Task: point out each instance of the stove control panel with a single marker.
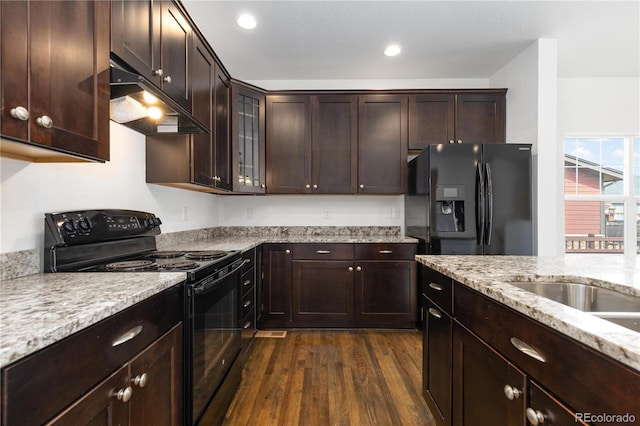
(91, 226)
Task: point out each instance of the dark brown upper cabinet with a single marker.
(199, 161)
(382, 144)
(55, 80)
(461, 117)
(334, 144)
(154, 38)
(288, 143)
(247, 139)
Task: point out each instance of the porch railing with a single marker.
(594, 244)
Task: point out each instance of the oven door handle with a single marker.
(206, 287)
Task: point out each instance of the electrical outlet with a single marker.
(326, 213)
(184, 213)
(387, 213)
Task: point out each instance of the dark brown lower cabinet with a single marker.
(332, 285)
(545, 409)
(480, 375)
(145, 391)
(436, 363)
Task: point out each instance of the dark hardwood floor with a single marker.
(333, 377)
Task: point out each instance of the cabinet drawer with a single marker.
(386, 251)
(247, 281)
(247, 302)
(329, 251)
(82, 360)
(573, 371)
(438, 288)
(249, 258)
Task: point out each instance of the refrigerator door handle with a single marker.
(480, 193)
(489, 216)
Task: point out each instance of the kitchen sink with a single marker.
(619, 308)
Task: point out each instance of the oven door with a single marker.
(213, 337)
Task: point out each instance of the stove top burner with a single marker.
(205, 254)
(166, 254)
(132, 265)
(178, 265)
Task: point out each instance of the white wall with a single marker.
(531, 118)
(313, 210)
(28, 190)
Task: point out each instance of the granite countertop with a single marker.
(489, 275)
(37, 310)
(41, 309)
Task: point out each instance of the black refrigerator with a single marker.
(471, 199)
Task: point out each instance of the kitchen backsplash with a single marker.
(29, 262)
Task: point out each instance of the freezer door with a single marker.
(452, 198)
(508, 207)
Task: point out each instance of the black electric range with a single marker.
(121, 241)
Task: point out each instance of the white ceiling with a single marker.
(338, 40)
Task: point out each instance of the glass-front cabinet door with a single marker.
(248, 127)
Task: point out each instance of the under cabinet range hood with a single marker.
(139, 104)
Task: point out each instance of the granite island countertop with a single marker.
(41, 309)
(489, 275)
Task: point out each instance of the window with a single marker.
(602, 195)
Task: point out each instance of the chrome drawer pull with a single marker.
(124, 395)
(247, 303)
(436, 286)
(323, 251)
(527, 350)
(127, 336)
(535, 417)
(435, 313)
(246, 325)
(385, 251)
(246, 283)
(511, 392)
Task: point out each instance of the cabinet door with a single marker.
(480, 118)
(203, 74)
(436, 366)
(222, 140)
(479, 377)
(156, 379)
(248, 140)
(323, 293)
(68, 75)
(288, 144)
(382, 144)
(174, 51)
(276, 285)
(431, 120)
(553, 412)
(101, 406)
(386, 293)
(135, 36)
(334, 144)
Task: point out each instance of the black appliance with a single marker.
(471, 199)
(124, 241)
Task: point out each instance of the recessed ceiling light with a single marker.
(392, 50)
(247, 22)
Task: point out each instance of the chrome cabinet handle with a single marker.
(140, 380)
(158, 72)
(350, 268)
(19, 112)
(435, 286)
(527, 350)
(385, 251)
(167, 79)
(358, 268)
(45, 121)
(262, 185)
(287, 251)
(307, 186)
(459, 140)
(323, 251)
(124, 395)
(511, 392)
(362, 186)
(127, 336)
(246, 283)
(247, 304)
(535, 417)
(451, 141)
(246, 325)
(435, 313)
(315, 186)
